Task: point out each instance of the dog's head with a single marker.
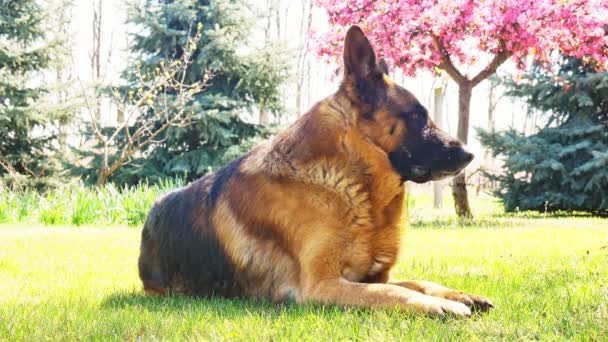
(393, 119)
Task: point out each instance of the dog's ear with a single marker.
(359, 56)
(383, 66)
(360, 67)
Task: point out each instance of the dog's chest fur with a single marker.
(346, 201)
(372, 251)
(327, 203)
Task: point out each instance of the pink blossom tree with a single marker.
(457, 36)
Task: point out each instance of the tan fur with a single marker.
(314, 214)
(331, 215)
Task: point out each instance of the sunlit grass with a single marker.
(547, 277)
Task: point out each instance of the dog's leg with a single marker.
(428, 288)
(346, 293)
(321, 280)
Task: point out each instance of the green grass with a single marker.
(79, 205)
(548, 278)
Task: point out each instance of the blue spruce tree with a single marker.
(564, 166)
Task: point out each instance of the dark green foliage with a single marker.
(565, 165)
(245, 76)
(22, 53)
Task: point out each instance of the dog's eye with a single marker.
(393, 127)
(410, 115)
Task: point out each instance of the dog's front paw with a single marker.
(439, 307)
(473, 301)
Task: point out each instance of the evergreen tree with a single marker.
(245, 76)
(23, 52)
(564, 166)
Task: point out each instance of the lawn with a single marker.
(547, 276)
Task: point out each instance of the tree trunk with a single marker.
(103, 170)
(490, 127)
(299, 98)
(491, 106)
(459, 185)
(263, 118)
(277, 18)
(308, 84)
(268, 12)
(120, 116)
(101, 178)
(438, 118)
(526, 112)
(302, 55)
(96, 55)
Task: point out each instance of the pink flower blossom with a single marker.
(401, 30)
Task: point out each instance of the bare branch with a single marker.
(498, 60)
(90, 109)
(152, 98)
(8, 167)
(446, 63)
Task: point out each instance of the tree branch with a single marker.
(89, 108)
(446, 63)
(498, 60)
(151, 98)
(8, 167)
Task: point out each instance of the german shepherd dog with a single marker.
(314, 213)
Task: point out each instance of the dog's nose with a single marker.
(463, 156)
(459, 152)
(467, 156)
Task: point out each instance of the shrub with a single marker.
(564, 166)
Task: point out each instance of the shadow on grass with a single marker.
(235, 308)
(224, 307)
(454, 222)
(536, 215)
(503, 220)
